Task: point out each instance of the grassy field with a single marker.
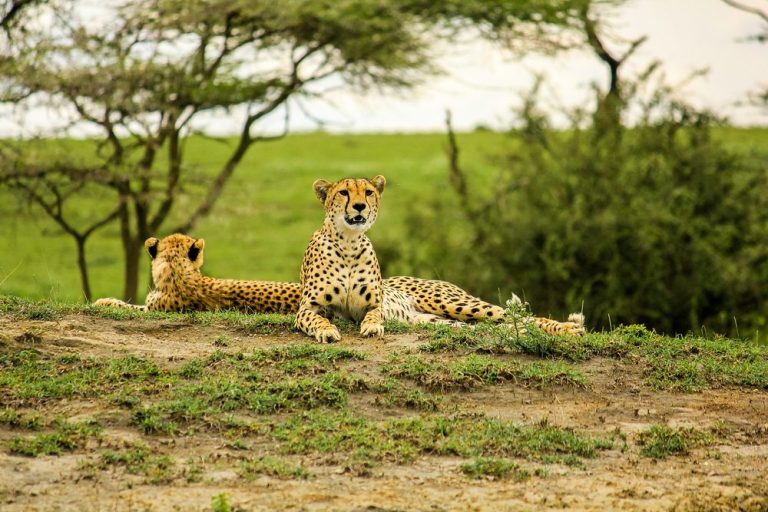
(261, 225)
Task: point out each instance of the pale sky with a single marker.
(482, 82)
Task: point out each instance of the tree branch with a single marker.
(10, 15)
(244, 142)
(174, 172)
(74, 174)
(103, 222)
(455, 174)
(53, 212)
(746, 8)
(596, 43)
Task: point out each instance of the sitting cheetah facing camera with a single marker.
(179, 285)
(340, 275)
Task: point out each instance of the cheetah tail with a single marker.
(577, 318)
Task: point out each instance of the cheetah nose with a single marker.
(359, 206)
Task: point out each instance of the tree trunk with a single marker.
(83, 266)
(132, 252)
(132, 247)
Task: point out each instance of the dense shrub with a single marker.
(661, 223)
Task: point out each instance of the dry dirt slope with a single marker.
(163, 414)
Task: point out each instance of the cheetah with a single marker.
(447, 301)
(179, 285)
(340, 275)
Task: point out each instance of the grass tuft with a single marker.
(15, 419)
(411, 399)
(275, 467)
(66, 438)
(472, 371)
(489, 467)
(220, 503)
(661, 441)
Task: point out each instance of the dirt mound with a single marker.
(239, 461)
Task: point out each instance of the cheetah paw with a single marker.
(327, 334)
(108, 302)
(372, 330)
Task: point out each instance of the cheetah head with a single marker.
(174, 254)
(351, 204)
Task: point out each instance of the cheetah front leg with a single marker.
(373, 323)
(311, 322)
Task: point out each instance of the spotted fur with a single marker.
(179, 285)
(340, 274)
(446, 300)
(341, 277)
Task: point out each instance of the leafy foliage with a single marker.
(658, 224)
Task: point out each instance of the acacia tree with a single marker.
(144, 78)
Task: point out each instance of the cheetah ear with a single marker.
(321, 189)
(196, 249)
(379, 182)
(150, 244)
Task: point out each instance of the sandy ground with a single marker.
(729, 475)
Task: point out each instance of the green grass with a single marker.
(468, 372)
(138, 460)
(42, 309)
(222, 341)
(15, 419)
(402, 440)
(661, 441)
(484, 467)
(306, 404)
(306, 358)
(683, 363)
(28, 375)
(261, 224)
(66, 437)
(220, 503)
(411, 399)
(275, 467)
(200, 393)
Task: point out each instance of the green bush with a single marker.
(661, 224)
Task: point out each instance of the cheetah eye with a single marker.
(344, 193)
(368, 192)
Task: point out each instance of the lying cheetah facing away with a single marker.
(179, 285)
(340, 275)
